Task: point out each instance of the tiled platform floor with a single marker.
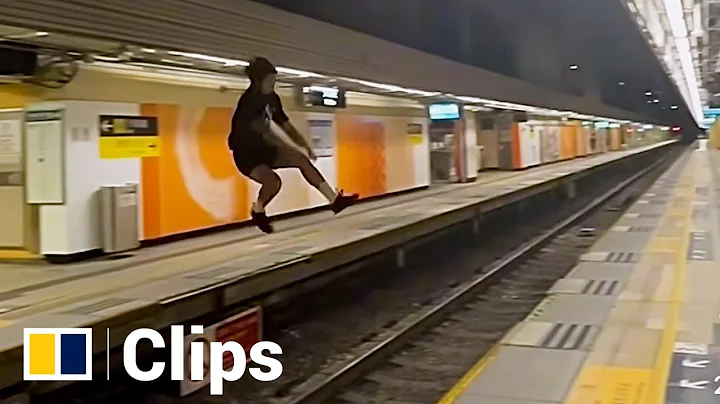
(652, 336)
(77, 295)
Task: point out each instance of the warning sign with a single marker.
(244, 328)
(128, 137)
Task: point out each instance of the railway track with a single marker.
(424, 358)
(383, 335)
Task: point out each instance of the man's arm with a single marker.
(282, 119)
(296, 136)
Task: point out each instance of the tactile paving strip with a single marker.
(591, 287)
(620, 256)
(568, 336)
(601, 287)
(553, 335)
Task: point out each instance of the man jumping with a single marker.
(258, 152)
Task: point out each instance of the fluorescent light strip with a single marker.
(300, 73)
(198, 56)
(675, 15)
(207, 78)
(107, 58)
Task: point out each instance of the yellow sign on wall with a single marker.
(128, 137)
(415, 134)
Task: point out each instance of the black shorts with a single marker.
(247, 158)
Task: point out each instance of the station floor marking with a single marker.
(661, 369)
(610, 385)
(621, 385)
(459, 388)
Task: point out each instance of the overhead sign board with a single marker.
(319, 96)
(44, 116)
(711, 112)
(128, 136)
(445, 111)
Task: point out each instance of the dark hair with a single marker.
(259, 68)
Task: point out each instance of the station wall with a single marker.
(374, 149)
(543, 142)
(536, 142)
(15, 216)
(74, 226)
(193, 183)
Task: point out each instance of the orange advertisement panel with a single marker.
(582, 140)
(360, 155)
(193, 184)
(568, 142)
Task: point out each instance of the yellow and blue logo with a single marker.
(58, 354)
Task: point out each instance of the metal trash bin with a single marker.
(119, 213)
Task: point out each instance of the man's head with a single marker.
(262, 74)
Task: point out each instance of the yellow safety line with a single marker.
(459, 388)
(602, 384)
(663, 359)
(462, 385)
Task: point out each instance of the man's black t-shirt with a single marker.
(252, 106)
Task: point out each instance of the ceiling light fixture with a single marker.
(198, 56)
(385, 87)
(676, 17)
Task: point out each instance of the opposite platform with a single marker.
(636, 321)
(158, 293)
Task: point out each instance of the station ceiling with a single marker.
(709, 56)
(533, 40)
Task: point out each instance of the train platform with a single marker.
(636, 320)
(176, 283)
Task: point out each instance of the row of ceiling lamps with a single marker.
(398, 89)
(676, 18)
(385, 87)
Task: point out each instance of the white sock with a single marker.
(257, 207)
(327, 192)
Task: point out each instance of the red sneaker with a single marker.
(262, 222)
(343, 201)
